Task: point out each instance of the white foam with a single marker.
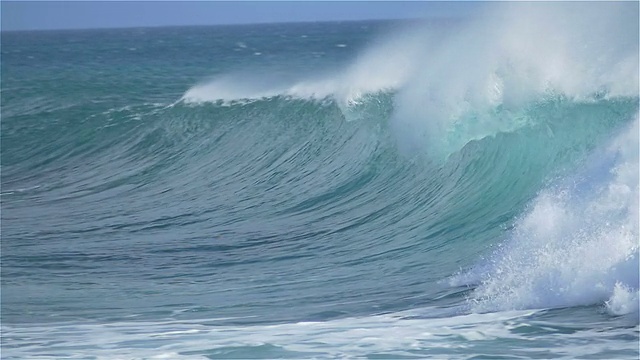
(390, 335)
(623, 301)
(575, 246)
(344, 338)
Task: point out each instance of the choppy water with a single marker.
(449, 189)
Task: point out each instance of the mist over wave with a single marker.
(473, 79)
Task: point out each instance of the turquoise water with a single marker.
(448, 189)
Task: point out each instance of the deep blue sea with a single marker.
(446, 188)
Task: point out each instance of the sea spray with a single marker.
(507, 63)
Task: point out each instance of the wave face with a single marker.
(371, 189)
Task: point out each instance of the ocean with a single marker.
(439, 188)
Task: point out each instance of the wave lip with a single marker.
(384, 67)
(229, 90)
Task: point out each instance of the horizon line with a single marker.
(408, 19)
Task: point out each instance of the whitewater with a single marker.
(435, 188)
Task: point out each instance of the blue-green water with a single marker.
(447, 189)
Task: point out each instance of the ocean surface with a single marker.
(446, 188)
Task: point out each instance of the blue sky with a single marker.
(32, 15)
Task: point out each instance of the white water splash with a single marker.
(578, 245)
